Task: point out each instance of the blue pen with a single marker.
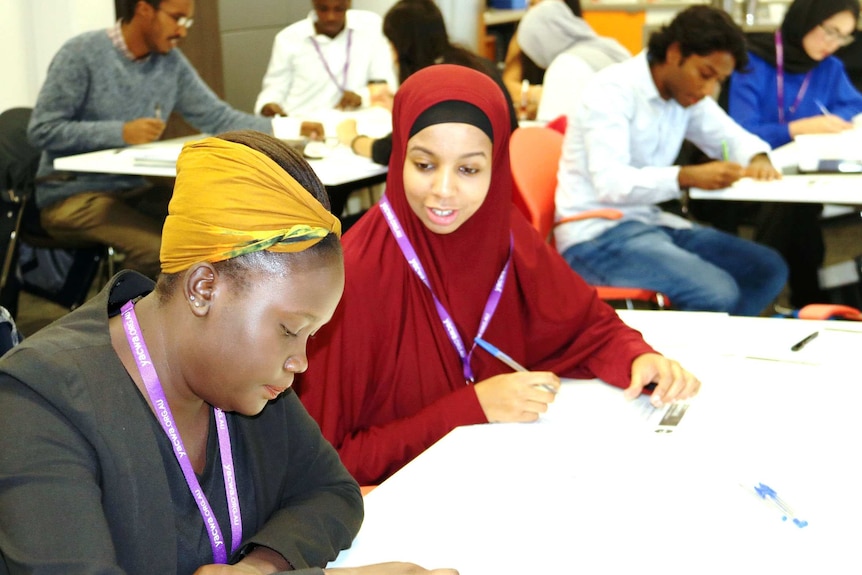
(769, 495)
(493, 350)
(823, 109)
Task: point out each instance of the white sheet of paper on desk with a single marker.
(592, 405)
(660, 419)
(155, 155)
(811, 148)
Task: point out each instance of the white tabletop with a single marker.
(592, 488)
(813, 188)
(339, 167)
(336, 164)
(808, 188)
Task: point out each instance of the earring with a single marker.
(191, 298)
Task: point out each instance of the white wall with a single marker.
(462, 20)
(461, 17)
(33, 31)
(378, 6)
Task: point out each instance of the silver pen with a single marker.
(505, 358)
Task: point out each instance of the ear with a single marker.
(674, 54)
(199, 287)
(144, 9)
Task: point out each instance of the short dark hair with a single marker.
(239, 269)
(126, 8)
(700, 30)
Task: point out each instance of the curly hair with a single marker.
(700, 30)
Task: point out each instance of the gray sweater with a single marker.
(92, 89)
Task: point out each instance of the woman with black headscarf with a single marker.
(796, 86)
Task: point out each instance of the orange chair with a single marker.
(535, 156)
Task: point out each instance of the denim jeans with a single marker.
(699, 269)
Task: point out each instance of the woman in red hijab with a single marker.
(445, 258)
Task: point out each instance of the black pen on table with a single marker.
(493, 350)
(804, 341)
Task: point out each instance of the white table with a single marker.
(813, 188)
(340, 167)
(341, 171)
(845, 189)
(593, 489)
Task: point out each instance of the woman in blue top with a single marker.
(796, 86)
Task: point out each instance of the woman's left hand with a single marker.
(672, 381)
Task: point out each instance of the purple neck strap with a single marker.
(779, 64)
(343, 85)
(163, 413)
(445, 317)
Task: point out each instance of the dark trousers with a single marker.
(794, 231)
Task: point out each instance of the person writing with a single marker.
(451, 259)
(417, 33)
(618, 154)
(153, 430)
(109, 89)
(325, 61)
(793, 86)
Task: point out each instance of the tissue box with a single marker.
(508, 4)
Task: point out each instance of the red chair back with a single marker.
(535, 155)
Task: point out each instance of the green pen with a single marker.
(725, 152)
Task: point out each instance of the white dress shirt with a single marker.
(298, 76)
(620, 146)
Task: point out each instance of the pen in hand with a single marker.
(823, 109)
(493, 350)
(725, 151)
(158, 112)
(805, 341)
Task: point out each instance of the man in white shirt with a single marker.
(326, 61)
(618, 153)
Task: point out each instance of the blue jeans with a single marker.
(699, 269)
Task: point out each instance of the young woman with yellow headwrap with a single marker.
(152, 430)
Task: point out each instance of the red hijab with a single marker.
(384, 380)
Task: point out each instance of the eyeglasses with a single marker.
(183, 21)
(836, 36)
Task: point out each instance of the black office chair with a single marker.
(19, 222)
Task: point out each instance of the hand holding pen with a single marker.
(824, 123)
(515, 397)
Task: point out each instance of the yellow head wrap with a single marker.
(231, 200)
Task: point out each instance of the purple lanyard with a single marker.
(166, 419)
(779, 61)
(445, 317)
(342, 87)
